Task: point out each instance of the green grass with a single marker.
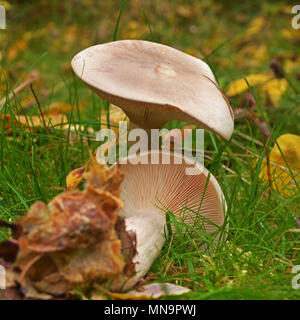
(251, 263)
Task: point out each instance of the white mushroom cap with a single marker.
(149, 190)
(154, 83)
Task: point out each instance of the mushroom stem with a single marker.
(149, 230)
(133, 126)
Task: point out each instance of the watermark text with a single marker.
(296, 18)
(296, 278)
(2, 278)
(186, 142)
(2, 18)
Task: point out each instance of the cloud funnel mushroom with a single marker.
(149, 190)
(154, 83)
(110, 232)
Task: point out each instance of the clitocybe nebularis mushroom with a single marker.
(149, 190)
(154, 83)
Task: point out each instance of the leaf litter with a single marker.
(76, 243)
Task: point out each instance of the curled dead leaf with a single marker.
(75, 241)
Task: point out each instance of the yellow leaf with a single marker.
(290, 34)
(256, 26)
(281, 177)
(17, 48)
(116, 115)
(134, 30)
(6, 5)
(66, 38)
(286, 9)
(240, 85)
(75, 128)
(222, 61)
(275, 88)
(185, 11)
(63, 107)
(290, 147)
(291, 65)
(33, 121)
(75, 177)
(251, 54)
(27, 101)
(193, 52)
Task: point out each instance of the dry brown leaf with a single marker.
(72, 242)
(110, 180)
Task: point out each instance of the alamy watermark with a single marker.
(2, 278)
(296, 18)
(2, 18)
(187, 144)
(296, 278)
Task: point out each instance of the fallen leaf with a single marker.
(252, 54)
(134, 30)
(256, 25)
(290, 66)
(75, 177)
(275, 88)
(27, 101)
(290, 147)
(116, 115)
(281, 178)
(151, 291)
(72, 242)
(63, 107)
(240, 85)
(16, 48)
(28, 122)
(185, 11)
(290, 34)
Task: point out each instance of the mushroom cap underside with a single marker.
(193, 198)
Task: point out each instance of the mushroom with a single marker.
(154, 83)
(150, 190)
